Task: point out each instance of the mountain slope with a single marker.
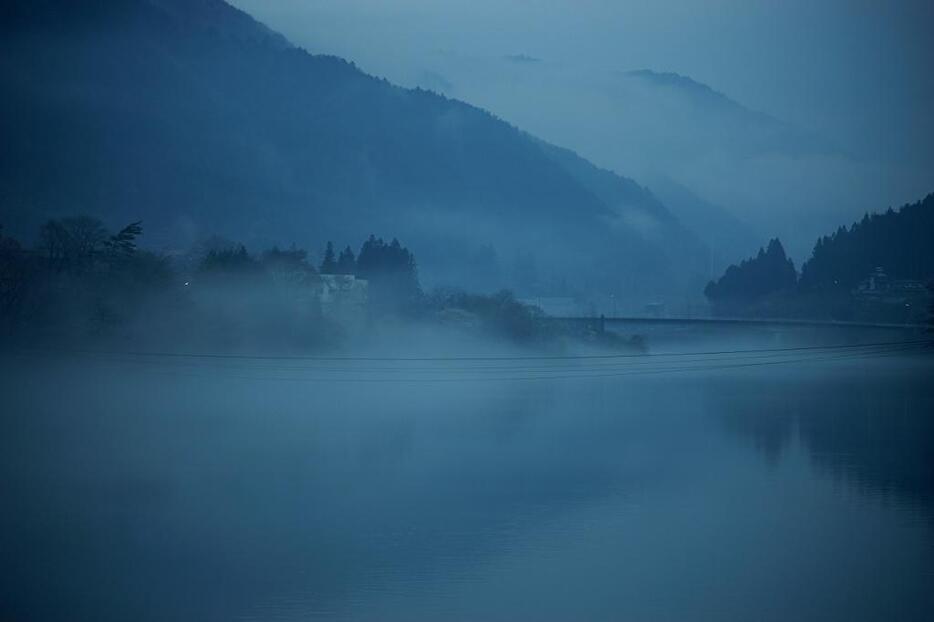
(709, 120)
(898, 241)
(197, 119)
(726, 236)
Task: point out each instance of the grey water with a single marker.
(798, 491)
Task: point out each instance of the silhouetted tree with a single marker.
(392, 273)
(329, 264)
(292, 258)
(79, 281)
(72, 244)
(930, 320)
(123, 244)
(14, 274)
(230, 261)
(499, 314)
(770, 272)
(289, 265)
(346, 262)
(898, 240)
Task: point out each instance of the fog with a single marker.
(153, 487)
(414, 310)
(850, 81)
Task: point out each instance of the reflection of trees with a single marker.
(871, 427)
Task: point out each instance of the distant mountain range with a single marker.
(195, 118)
(709, 116)
(767, 174)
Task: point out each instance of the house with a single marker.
(876, 284)
(880, 298)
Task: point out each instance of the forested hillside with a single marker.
(769, 273)
(878, 269)
(198, 120)
(900, 241)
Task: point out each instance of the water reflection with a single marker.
(866, 424)
(133, 496)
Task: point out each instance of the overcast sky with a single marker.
(805, 61)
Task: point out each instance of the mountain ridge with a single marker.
(127, 110)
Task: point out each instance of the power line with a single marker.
(254, 357)
(456, 376)
(558, 366)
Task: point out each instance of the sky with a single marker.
(856, 72)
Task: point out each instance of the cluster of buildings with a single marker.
(879, 297)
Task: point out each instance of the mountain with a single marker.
(712, 121)
(636, 206)
(197, 119)
(727, 237)
(771, 174)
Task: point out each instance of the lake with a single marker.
(768, 485)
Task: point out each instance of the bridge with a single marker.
(600, 321)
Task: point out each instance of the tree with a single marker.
(290, 265)
(392, 273)
(499, 314)
(930, 320)
(290, 259)
(72, 244)
(329, 264)
(14, 274)
(770, 272)
(897, 240)
(230, 261)
(346, 262)
(123, 244)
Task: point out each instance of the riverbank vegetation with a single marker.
(81, 283)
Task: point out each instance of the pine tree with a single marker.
(230, 261)
(329, 264)
(770, 271)
(346, 262)
(392, 273)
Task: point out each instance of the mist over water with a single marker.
(466, 311)
(711, 486)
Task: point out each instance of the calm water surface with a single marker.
(791, 492)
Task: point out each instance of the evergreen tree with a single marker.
(346, 262)
(329, 264)
(392, 273)
(771, 271)
(898, 241)
(289, 259)
(230, 261)
(289, 266)
(930, 320)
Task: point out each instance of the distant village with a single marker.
(905, 301)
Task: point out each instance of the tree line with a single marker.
(81, 280)
(899, 241)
